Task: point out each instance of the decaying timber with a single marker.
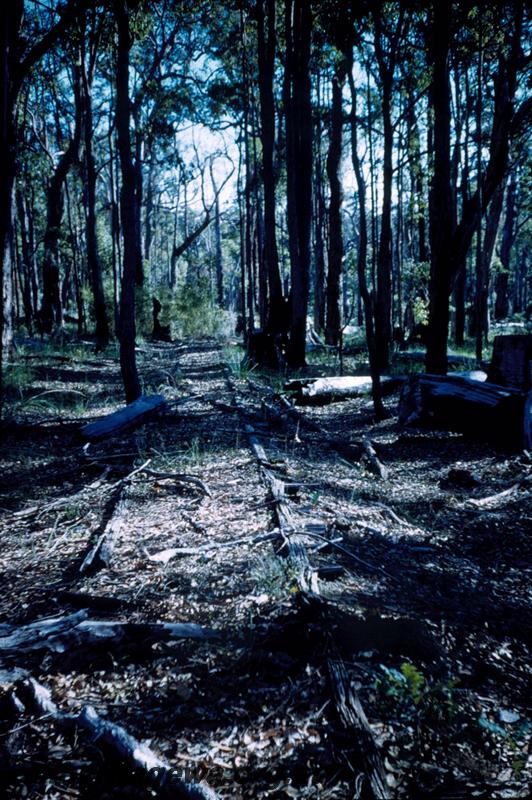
(114, 743)
(487, 410)
(77, 633)
(320, 391)
(131, 416)
(511, 362)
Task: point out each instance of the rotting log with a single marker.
(354, 718)
(321, 391)
(131, 416)
(100, 554)
(348, 704)
(114, 742)
(76, 633)
(486, 410)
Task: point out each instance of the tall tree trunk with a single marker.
(508, 235)
(488, 248)
(128, 209)
(440, 200)
(336, 245)
(367, 299)
(11, 15)
(26, 256)
(218, 259)
(93, 259)
(51, 308)
(139, 192)
(266, 60)
(503, 125)
(386, 63)
(248, 238)
(319, 223)
(298, 18)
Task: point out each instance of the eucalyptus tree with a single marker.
(128, 205)
(17, 59)
(450, 243)
(298, 121)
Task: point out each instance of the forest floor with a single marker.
(392, 639)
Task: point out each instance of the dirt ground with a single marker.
(423, 596)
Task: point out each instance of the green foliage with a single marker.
(275, 576)
(193, 313)
(412, 697)
(17, 378)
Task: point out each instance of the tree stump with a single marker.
(511, 362)
(485, 410)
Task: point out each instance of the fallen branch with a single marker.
(354, 718)
(131, 416)
(513, 492)
(75, 632)
(164, 556)
(113, 741)
(179, 477)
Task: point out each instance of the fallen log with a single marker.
(113, 741)
(76, 633)
(100, 554)
(131, 416)
(354, 719)
(486, 410)
(321, 391)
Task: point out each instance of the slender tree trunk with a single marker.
(299, 167)
(51, 309)
(386, 63)
(367, 299)
(248, 240)
(218, 258)
(266, 59)
(336, 245)
(508, 235)
(128, 208)
(26, 256)
(319, 224)
(93, 259)
(440, 201)
(488, 248)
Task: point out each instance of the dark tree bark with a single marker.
(386, 62)
(266, 61)
(298, 26)
(11, 15)
(486, 256)
(440, 200)
(51, 308)
(319, 222)
(367, 298)
(26, 258)
(336, 245)
(14, 66)
(93, 259)
(449, 248)
(128, 199)
(508, 235)
(218, 258)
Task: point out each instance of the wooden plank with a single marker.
(126, 418)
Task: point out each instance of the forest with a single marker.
(265, 399)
